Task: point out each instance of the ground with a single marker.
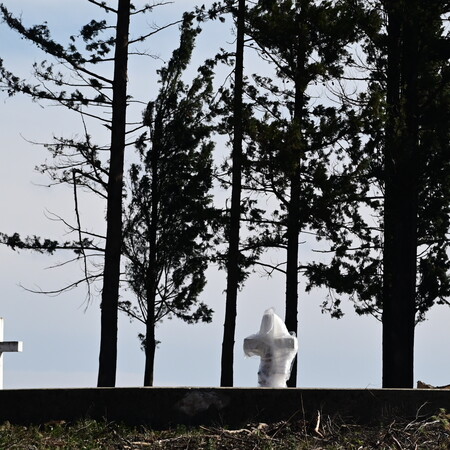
(324, 433)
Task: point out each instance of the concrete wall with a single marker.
(234, 407)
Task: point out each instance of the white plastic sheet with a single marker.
(277, 349)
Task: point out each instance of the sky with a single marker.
(61, 334)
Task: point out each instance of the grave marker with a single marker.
(277, 349)
(7, 346)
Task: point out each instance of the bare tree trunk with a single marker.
(151, 280)
(298, 148)
(150, 345)
(110, 293)
(151, 285)
(233, 262)
(291, 318)
(401, 203)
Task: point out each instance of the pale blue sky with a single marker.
(61, 335)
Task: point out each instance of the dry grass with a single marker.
(324, 433)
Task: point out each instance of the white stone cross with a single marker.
(7, 346)
(277, 349)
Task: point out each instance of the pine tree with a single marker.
(307, 42)
(233, 264)
(170, 217)
(79, 162)
(402, 267)
(412, 27)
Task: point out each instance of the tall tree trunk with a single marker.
(291, 318)
(233, 263)
(150, 322)
(297, 142)
(401, 204)
(150, 342)
(151, 277)
(110, 293)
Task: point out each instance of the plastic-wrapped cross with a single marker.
(277, 349)
(7, 346)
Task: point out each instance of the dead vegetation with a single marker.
(422, 385)
(323, 433)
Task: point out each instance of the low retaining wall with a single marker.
(166, 407)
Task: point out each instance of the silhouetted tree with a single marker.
(80, 162)
(403, 269)
(233, 264)
(297, 151)
(170, 218)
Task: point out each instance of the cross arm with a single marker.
(255, 345)
(11, 346)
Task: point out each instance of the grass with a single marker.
(324, 434)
